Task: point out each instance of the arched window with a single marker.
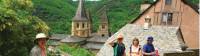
(83, 25)
(103, 26)
(102, 35)
(77, 25)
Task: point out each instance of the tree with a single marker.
(18, 27)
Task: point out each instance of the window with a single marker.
(168, 2)
(103, 26)
(102, 35)
(83, 25)
(77, 25)
(167, 18)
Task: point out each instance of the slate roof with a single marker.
(165, 38)
(80, 12)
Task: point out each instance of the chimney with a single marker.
(147, 23)
(145, 4)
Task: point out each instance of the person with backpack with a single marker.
(148, 48)
(118, 47)
(135, 49)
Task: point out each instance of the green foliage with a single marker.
(196, 2)
(20, 20)
(75, 50)
(58, 13)
(18, 27)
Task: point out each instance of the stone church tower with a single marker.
(90, 22)
(80, 22)
(104, 25)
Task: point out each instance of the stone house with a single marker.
(173, 24)
(173, 13)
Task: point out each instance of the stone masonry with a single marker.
(165, 38)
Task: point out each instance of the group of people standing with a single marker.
(135, 49)
(119, 48)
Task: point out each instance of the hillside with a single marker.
(21, 20)
(58, 13)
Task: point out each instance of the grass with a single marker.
(75, 50)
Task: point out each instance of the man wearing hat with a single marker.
(148, 48)
(40, 48)
(118, 47)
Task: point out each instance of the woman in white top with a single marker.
(135, 49)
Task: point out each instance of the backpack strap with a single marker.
(115, 51)
(130, 50)
(139, 48)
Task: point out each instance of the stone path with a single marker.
(165, 38)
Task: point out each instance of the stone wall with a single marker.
(165, 38)
(183, 53)
(196, 51)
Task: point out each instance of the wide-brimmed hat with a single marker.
(41, 35)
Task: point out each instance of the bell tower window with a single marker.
(83, 25)
(103, 26)
(102, 35)
(77, 25)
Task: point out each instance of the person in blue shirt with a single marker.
(148, 48)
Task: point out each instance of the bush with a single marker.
(18, 27)
(75, 50)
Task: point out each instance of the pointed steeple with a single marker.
(103, 15)
(80, 12)
(103, 27)
(89, 15)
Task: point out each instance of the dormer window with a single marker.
(147, 23)
(168, 2)
(148, 19)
